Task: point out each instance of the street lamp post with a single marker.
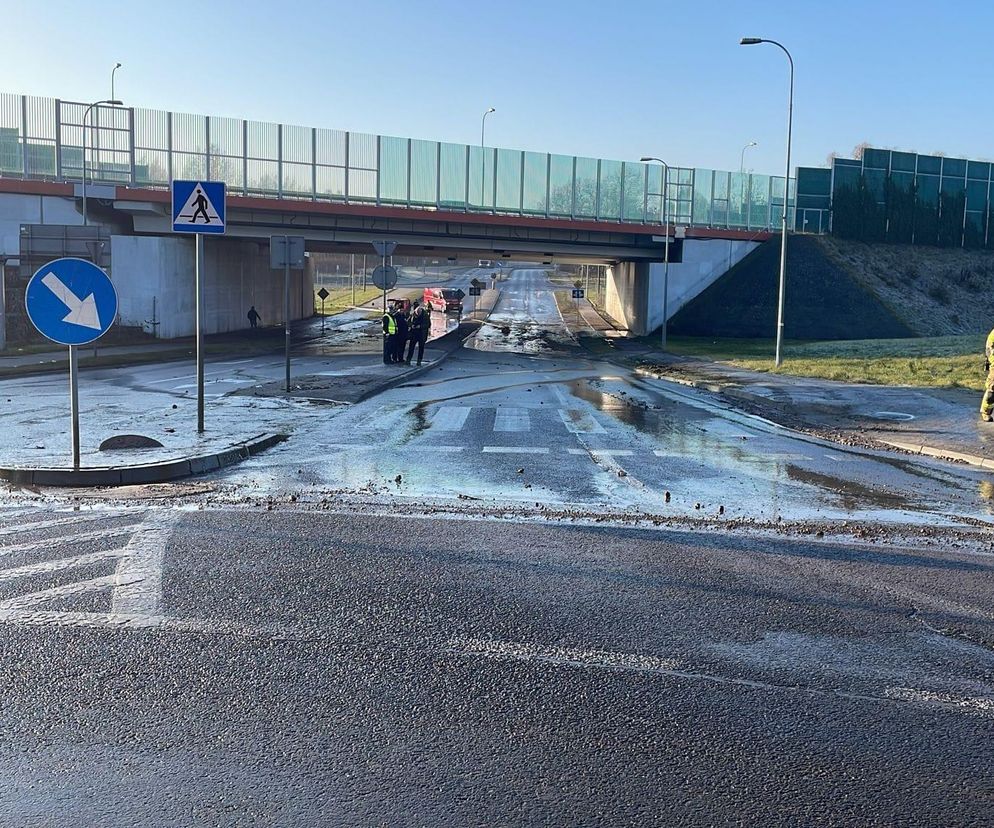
(112, 71)
(752, 41)
(483, 153)
(666, 248)
(86, 115)
(742, 157)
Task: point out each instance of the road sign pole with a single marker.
(323, 315)
(383, 264)
(286, 306)
(352, 276)
(200, 332)
(74, 404)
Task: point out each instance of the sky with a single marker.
(614, 80)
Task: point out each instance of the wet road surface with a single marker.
(234, 668)
(377, 622)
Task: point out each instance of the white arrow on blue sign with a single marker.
(71, 301)
(198, 206)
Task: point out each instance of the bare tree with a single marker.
(857, 151)
(830, 158)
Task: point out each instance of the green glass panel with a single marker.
(452, 187)
(610, 190)
(393, 170)
(978, 170)
(586, 187)
(953, 167)
(634, 178)
(424, 172)
(877, 159)
(903, 161)
(508, 180)
(536, 169)
(930, 164)
(561, 185)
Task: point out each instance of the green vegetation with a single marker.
(938, 361)
(340, 299)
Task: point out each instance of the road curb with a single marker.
(162, 472)
(942, 454)
(733, 391)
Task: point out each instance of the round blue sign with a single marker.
(71, 301)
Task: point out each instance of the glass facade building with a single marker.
(43, 138)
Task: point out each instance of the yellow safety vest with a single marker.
(391, 323)
(989, 348)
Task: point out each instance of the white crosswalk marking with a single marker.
(450, 418)
(134, 588)
(74, 540)
(44, 567)
(512, 419)
(75, 520)
(604, 452)
(580, 422)
(515, 450)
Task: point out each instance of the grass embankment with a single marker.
(939, 361)
(340, 299)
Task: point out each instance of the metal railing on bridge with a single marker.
(43, 138)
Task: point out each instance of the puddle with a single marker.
(854, 495)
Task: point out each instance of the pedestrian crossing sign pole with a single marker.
(199, 207)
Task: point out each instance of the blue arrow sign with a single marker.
(198, 206)
(71, 301)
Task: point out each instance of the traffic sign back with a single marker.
(71, 301)
(385, 277)
(199, 207)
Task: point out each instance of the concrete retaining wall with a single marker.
(237, 276)
(635, 289)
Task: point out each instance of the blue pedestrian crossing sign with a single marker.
(198, 206)
(71, 301)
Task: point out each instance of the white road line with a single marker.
(604, 452)
(450, 418)
(514, 450)
(50, 524)
(139, 575)
(59, 564)
(580, 422)
(46, 596)
(52, 543)
(512, 419)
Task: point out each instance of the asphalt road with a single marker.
(237, 668)
(436, 608)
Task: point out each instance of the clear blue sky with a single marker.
(611, 80)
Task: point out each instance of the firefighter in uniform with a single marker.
(389, 335)
(987, 403)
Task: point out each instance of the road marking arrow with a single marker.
(82, 312)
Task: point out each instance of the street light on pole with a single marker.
(743, 155)
(666, 247)
(86, 115)
(483, 161)
(112, 71)
(752, 41)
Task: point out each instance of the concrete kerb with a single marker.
(161, 472)
(732, 390)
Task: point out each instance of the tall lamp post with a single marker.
(666, 247)
(86, 115)
(112, 71)
(483, 159)
(742, 157)
(752, 41)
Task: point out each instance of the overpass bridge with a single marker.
(342, 189)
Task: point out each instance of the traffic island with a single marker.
(158, 472)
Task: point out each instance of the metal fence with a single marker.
(45, 138)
